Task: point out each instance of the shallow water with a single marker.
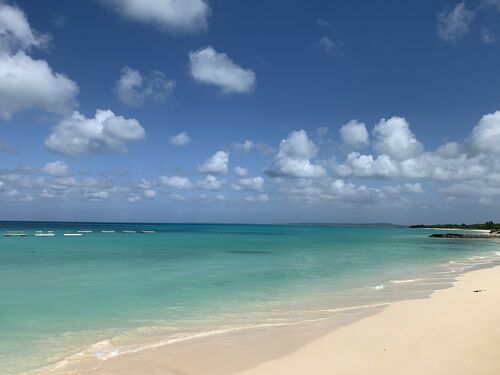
(105, 294)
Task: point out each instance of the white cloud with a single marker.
(213, 68)
(249, 183)
(150, 194)
(406, 188)
(261, 198)
(174, 16)
(15, 31)
(24, 82)
(485, 136)
(368, 166)
(354, 134)
(106, 132)
(217, 164)
(393, 137)
(249, 145)
(244, 146)
(145, 184)
(134, 199)
(294, 157)
(241, 172)
(455, 24)
(56, 168)
(97, 195)
(176, 182)
(15, 195)
(211, 183)
(180, 139)
(134, 89)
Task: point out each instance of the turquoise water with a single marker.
(62, 295)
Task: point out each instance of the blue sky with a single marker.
(232, 111)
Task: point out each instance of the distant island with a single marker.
(489, 225)
(491, 230)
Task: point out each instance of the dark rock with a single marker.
(464, 235)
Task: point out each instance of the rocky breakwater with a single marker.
(466, 235)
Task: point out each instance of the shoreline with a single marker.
(455, 331)
(458, 229)
(250, 350)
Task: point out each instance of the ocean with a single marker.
(104, 294)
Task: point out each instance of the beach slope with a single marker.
(456, 331)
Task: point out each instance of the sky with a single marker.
(231, 111)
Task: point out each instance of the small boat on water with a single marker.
(41, 234)
(15, 234)
(129, 231)
(72, 234)
(148, 231)
(107, 231)
(84, 231)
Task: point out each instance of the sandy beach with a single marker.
(455, 331)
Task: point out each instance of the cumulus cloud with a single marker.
(214, 68)
(174, 16)
(56, 168)
(249, 145)
(15, 31)
(485, 136)
(454, 24)
(15, 195)
(134, 89)
(145, 184)
(53, 183)
(406, 188)
(393, 137)
(402, 156)
(211, 183)
(241, 172)
(25, 82)
(354, 134)
(106, 132)
(217, 164)
(176, 182)
(294, 157)
(180, 139)
(149, 193)
(249, 183)
(97, 195)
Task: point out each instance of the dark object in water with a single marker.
(464, 235)
(479, 290)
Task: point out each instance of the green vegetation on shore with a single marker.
(489, 225)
